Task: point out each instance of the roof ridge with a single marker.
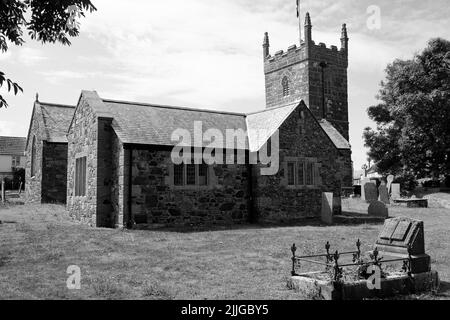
(58, 105)
(274, 108)
(173, 107)
(13, 137)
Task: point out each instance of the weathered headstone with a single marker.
(337, 205)
(404, 238)
(390, 180)
(383, 192)
(364, 181)
(395, 191)
(327, 208)
(378, 209)
(370, 192)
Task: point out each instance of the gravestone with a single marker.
(390, 180)
(327, 208)
(378, 209)
(370, 192)
(337, 205)
(383, 192)
(402, 237)
(364, 181)
(395, 191)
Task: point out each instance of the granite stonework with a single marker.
(83, 141)
(302, 67)
(48, 184)
(33, 183)
(278, 202)
(54, 173)
(157, 202)
(235, 194)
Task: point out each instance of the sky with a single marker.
(208, 53)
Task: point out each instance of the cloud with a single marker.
(30, 57)
(7, 128)
(63, 76)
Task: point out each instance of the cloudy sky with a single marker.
(208, 53)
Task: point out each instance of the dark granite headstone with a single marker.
(378, 209)
(370, 192)
(384, 195)
(397, 236)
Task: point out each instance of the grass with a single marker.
(39, 243)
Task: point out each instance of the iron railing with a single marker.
(332, 260)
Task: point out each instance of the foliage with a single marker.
(412, 135)
(46, 21)
(19, 176)
(407, 180)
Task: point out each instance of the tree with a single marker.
(49, 21)
(413, 132)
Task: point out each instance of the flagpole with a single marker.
(300, 26)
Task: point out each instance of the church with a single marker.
(120, 172)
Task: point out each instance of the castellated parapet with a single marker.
(311, 72)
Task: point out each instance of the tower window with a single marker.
(285, 84)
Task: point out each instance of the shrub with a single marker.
(447, 181)
(407, 181)
(431, 184)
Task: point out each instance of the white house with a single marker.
(12, 155)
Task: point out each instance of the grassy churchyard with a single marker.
(39, 242)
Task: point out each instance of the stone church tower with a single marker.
(311, 72)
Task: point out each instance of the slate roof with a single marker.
(57, 119)
(263, 124)
(152, 124)
(12, 146)
(339, 141)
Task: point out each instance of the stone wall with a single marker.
(105, 181)
(83, 141)
(300, 137)
(119, 196)
(156, 202)
(33, 185)
(54, 173)
(294, 65)
(335, 74)
(347, 168)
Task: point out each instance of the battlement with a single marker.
(308, 50)
(282, 59)
(294, 55)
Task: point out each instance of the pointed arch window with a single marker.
(285, 84)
